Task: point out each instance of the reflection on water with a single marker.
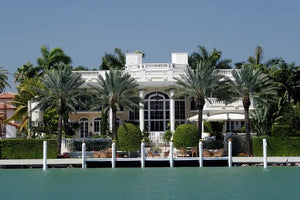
(240, 183)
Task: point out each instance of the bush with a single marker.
(26, 149)
(287, 146)
(186, 135)
(91, 145)
(129, 137)
(280, 130)
(214, 127)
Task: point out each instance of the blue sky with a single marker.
(85, 30)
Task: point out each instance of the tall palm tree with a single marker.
(252, 83)
(200, 84)
(61, 92)
(214, 57)
(114, 90)
(51, 59)
(113, 61)
(3, 79)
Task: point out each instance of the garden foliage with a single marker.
(26, 149)
(186, 135)
(277, 146)
(129, 137)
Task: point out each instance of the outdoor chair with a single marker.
(207, 153)
(109, 152)
(166, 154)
(219, 153)
(182, 153)
(195, 152)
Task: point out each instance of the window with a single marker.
(84, 127)
(156, 111)
(180, 110)
(97, 122)
(134, 116)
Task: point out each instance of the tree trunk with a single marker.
(114, 121)
(59, 129)
(246, 104)
(201, 102)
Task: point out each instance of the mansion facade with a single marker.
(160, 111)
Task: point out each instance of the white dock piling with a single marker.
(229, 153)
(143, 154)
(201, 153)
(171, 155)
(113, 155)
(45, 155)
(265, 153)
(83, 156)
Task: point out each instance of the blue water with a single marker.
(240, 183)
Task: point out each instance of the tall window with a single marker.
(157, 111)
(84, 127)
(97, 122)
(134, 116)
(180, 110)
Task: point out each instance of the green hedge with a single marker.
(186, 135)
(129, 137)
(91, 145)
(287, 146)
(26, 149)
(280, 130)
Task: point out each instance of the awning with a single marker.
(220, 117)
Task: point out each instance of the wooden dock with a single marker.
(136, 162)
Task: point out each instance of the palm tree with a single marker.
(24, 94)
(200, 83)
(114, 90)
(214, 57)
(3, 79)
(51, 59)
(26, 71)
(113, 61)
(60, 91)
(252, 83)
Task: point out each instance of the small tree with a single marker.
(186, 135)
(129, 137)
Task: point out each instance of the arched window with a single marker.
(157, 111)
(84, 127)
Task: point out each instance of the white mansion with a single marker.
(160, 111)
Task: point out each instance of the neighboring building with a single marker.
(6, 110)
(161, 111)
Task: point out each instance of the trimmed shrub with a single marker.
(280, 130)
(186, 135)
(287, 146)
(129, 137)
(26, 149)
(207, 127)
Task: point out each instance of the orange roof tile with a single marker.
(8, 106)
(7, 95)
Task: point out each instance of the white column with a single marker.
(201, 153)
(44, 155)
(172, 111)
(113, 155)
(265, 152)
(171, 155)
(83, 165)
(141, 113)
(229, 153)
(110, 119)
(143, 154)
